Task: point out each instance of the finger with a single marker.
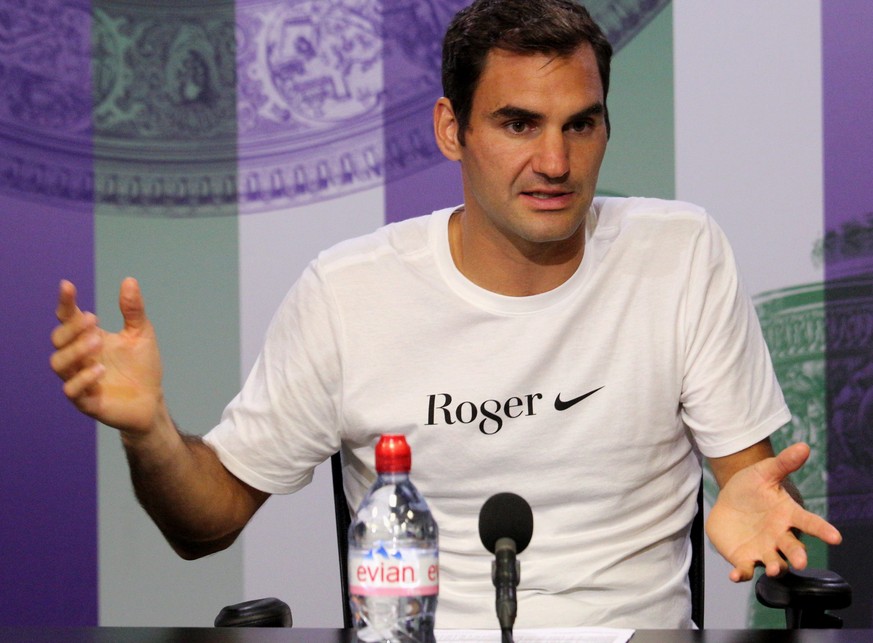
(67, 307)
(72, 328)
(132, 305)
(774, 564)
(810, 523)
(77, 387)
(743, 571)
(793, 550)
(67, 361)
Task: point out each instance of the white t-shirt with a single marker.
(383, 334)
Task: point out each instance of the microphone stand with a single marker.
(505, 574)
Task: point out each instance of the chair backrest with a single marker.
(696, 573)
(342, 511)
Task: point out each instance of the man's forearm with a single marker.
(180, 482)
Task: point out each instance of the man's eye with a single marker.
(580, 126)
(517, 127)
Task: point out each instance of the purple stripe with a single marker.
(438, 186)
(418, 179)
(848, 97)
(48, 533)
(848, 168)
(48, 499)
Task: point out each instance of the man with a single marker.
(580, 352)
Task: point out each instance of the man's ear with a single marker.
(445, 129)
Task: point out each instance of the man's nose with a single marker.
(551, 158)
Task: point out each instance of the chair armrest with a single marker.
(806, 596)
(261, 612)
(811, 588)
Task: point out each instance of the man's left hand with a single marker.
(754, 518)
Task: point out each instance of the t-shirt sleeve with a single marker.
(730, 396)
(284, 421)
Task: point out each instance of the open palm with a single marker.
(754, 518)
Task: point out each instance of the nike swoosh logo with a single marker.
(561, 405)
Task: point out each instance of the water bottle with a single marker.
(393, 554)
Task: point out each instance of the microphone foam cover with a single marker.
(505, 515)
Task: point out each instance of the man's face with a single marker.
(533, 148)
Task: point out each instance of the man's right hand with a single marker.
(113, 377)
(116, 378)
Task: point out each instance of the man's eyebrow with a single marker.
(597, 109)
(512, 112)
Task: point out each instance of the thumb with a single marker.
(132, 306)
(789, 460)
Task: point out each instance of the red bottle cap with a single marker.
(393, 454)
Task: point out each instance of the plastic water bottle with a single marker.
(393, 554)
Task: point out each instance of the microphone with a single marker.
(505, 528)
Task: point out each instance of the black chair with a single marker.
(805, 596)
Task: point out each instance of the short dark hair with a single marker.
(518, 26)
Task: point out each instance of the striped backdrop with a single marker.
(211, 148)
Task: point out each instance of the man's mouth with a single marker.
(548, 200)
(546, 195)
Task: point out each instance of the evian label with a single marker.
(398, 572)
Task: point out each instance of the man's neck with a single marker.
(512, 269)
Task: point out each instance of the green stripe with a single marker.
(163, 115)
(640, 158)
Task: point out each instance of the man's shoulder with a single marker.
(656, 218)
(392, 241)
(613, 209)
